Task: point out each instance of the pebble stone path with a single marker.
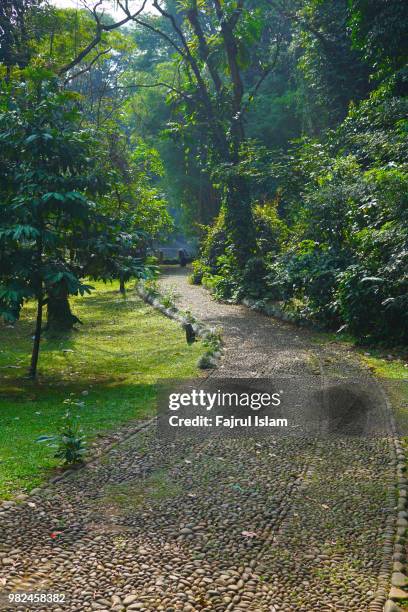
(158, 526)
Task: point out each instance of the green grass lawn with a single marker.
(111, 365)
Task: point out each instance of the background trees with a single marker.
(20, 27)
(275, 131)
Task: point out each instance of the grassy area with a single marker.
(394, 378)
(110, 365)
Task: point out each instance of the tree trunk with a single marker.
(32, 373)
(122, 287)
(59, 316)
(239, 220)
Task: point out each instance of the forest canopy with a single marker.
(273, 132)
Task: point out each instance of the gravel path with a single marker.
(157, 525)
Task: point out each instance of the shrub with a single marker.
(279, 285)
(214, 243)
(253, 278)
(199, 269)
(309, 272)
(151, 287)
(168, 299)
(69, 442)
(359, 297)
(271, 231)
(226, 283)
(373, 301)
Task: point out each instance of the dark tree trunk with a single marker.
(239, 220)
(59, 316)
(32, 373)
(122, 287)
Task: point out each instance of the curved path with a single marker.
(290, 524)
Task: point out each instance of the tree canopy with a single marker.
(274, 132)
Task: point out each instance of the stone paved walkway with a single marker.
(158, 526)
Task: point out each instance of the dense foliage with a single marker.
(335, 251)
(77, 194)
(277, 133)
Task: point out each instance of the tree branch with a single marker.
(88, 67)
(267, 71)
(327, 43)
(205, 54)
(202, 87)
(158, 84)
(99, 29)
(150, 27)
(231, 50)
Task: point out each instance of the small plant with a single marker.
(69, 442)
(188, 316)
(168, 299)
(206, 362)
(213, 341)
(151, 287)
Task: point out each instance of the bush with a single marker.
(359, 297)
(69, 442)
(271, 231)
(226, 283)
(253, 278)
(199, 269)
(309, 273)
(373, 301)
(213, 244)
(216, 268)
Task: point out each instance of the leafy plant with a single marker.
(253, 277)
(213, 340)
(199, 270)
(168, 299)
(69, 442)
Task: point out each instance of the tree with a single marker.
(47, 215)
(379, 31)
(135, 207)
(331, 73)
(214, 44)
(18, 28)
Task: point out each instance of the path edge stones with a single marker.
(212, 335)
(392, 577)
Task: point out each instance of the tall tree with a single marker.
(47, 213)
(214, 45)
